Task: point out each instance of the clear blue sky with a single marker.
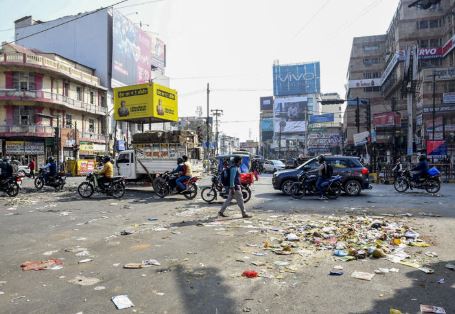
(232, 43)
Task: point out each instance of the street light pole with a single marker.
(434, 101)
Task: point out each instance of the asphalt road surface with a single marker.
(202, 257)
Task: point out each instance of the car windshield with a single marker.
(307, 163)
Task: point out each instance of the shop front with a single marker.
(24, 151)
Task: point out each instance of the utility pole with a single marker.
(208, 123)
(358, 115)
(216, 113)
(434, 102)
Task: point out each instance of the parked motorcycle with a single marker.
(163, 186)
(431, 182)
(57, 182)
(210, 193)
(306, 185)
(115, 188)
(11, 186)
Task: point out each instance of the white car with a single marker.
(273, 165)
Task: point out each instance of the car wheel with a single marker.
(286, 187)
(352, 187)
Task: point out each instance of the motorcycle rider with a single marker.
(421, 169)
(6, 169)
(187, 174)
(178, 170)
(107, 172)
(51, 168)
(398, 168)
(323, 176)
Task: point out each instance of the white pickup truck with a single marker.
(146, 161)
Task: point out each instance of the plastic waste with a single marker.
(340, 253)
(395, 311)
(250, 274)
(362, 275)
(432, 309)
(122, 302)
(42, 265)
(292, 237)
(450, 266)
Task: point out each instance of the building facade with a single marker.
(49, 106)
(412, 69)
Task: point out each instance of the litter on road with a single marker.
(362, 275)
(54, 263)
(122, 302)
(432, 309)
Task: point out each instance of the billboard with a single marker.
(386, 119)
(436, 148)
(430, 53)
(289, 114)
(448, 98)
(296, 79)
(145, 102)
(326, 117)
(361, 138)
(364, 83)
(133, 52)
(266, 125)
(266, 103)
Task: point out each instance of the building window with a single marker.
(435, 23)
(370, 61)
(24, 81)
(91, 126)
(25, 120)
(430, 63)
(79, 93)
(422, 24)
(450, 87)
(66, 87)
(372, 89)
(371, 75)
(371, 47)
(68, 121)
(92, 98)
(436, 42)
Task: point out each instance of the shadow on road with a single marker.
(425, 289)
(202, 291)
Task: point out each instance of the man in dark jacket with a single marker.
(235, 190)
(421, 168)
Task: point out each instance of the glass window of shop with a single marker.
(24, 81)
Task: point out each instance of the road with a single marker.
(202, 257)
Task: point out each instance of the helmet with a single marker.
(50, 159)
(422, 158)
(179, 161)
(321, 158)
(185, 157)
(106, 159)
(237, 159)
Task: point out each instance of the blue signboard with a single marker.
(120, 145)
(296, 79)
(326, 117)
(266, 125)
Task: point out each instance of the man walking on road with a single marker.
(234, 189)
(32, 167)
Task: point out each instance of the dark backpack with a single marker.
(327, 172)
(226, 176)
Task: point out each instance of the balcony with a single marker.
(49, 64)
(47, 97)
(92, 137)
(27, 130)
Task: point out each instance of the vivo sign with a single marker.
(430, 53)
(296, 79)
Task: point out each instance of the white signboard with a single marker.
(365, 83)
(361, 138)
(448, 98)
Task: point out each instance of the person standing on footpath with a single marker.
(32, 167)
(234, 189)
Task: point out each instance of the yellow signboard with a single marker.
(145, 102)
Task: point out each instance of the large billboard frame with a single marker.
(296, 79)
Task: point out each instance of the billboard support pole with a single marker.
(434, 106)
(305, 148)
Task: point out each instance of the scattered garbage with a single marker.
(441, 281)
(250, 274)
(133, 266)
(336, 272)
(152, 219)
(98, 288)
(395, 311)
(126, 232)
(54, 263)
(84, 281)
(450, 266)
(151, 262)
(362, 275)
(87, 260)
(48, 253)
(432, 309)
(292, 237)
(122, 302)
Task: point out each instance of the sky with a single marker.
(232, 44)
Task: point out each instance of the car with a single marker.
(355, 175)
(273, 165)
(23, 170)
(290, 163)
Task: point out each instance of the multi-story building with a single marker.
(337, 109)
(119, 50)
(40, 92)
(266, 126)
(228, 144)
(416, 51)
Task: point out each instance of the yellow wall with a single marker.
(2, 80)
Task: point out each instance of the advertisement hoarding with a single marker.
(326, 117)
(134, 52)
(386, 119)
(296, 79)
(361, 138)
(145, 102)
(266, 103)
(289, 114)
(24, 147)
(430, 53)
(436, 148)
(266, 125)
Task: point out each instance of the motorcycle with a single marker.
(431, 182)
(307, 186)
(163, 187)
(210, 193)
(57, 182)
(115, 188)
(11, 185)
